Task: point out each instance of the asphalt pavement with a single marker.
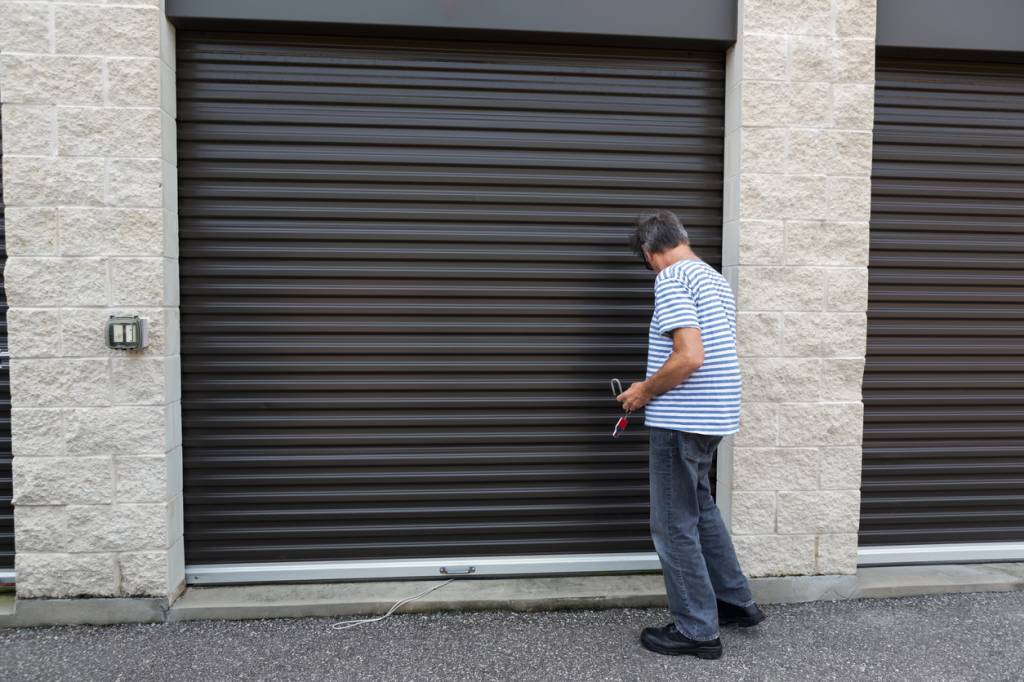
(937, 638)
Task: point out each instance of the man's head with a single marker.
(660, 240)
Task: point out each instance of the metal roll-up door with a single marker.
(6, 488)
(405, 287)
(944, 383)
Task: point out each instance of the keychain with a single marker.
(623, 423)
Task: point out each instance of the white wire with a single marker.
(346, 624)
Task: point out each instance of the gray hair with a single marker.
(657, 232)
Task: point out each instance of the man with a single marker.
(692, 400)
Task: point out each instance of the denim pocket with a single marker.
(698, 447)
(690, 447)
(660, 438)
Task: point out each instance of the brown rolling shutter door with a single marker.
(944, 383)
(6, 489)
(405, 287)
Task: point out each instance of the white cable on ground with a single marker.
(346, 624)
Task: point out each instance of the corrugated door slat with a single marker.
(944, 383)
(6, 510)
(405, 288)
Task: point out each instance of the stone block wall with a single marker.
(800, 107)
(90, 185)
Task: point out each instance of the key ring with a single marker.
(616, 388)
(623, 423)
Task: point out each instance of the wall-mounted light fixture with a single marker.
(127, 332)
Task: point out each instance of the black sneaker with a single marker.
(669, 641)
(744, 616)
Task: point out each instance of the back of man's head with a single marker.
(657, 232)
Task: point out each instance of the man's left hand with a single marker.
(635, 397)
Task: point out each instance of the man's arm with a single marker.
(686, 358)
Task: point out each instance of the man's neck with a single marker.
(678, 253)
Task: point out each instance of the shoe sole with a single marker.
(706, 653)
(742, 622)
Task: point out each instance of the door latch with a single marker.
(458, 570)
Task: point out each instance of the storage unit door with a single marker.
(405, 287)
(6, 510)
(944, 384)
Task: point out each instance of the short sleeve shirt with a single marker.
(692, 294)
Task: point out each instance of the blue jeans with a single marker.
(697, 556)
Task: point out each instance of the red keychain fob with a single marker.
(623, 422)
(620, 426)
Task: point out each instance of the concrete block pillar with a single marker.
(87, 91)
(799, 102)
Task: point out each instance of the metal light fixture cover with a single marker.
(127, 332)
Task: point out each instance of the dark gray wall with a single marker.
(977, 25)
(699, 20)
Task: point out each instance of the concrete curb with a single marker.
(900, 581)
(351, 599)
(803, 588)
(99, 611)
(506, 594)
(523, 594)
(6, 604)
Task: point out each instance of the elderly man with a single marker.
(692, 399)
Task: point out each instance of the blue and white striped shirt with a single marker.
(690, 293)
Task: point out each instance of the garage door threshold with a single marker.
(576, 592)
